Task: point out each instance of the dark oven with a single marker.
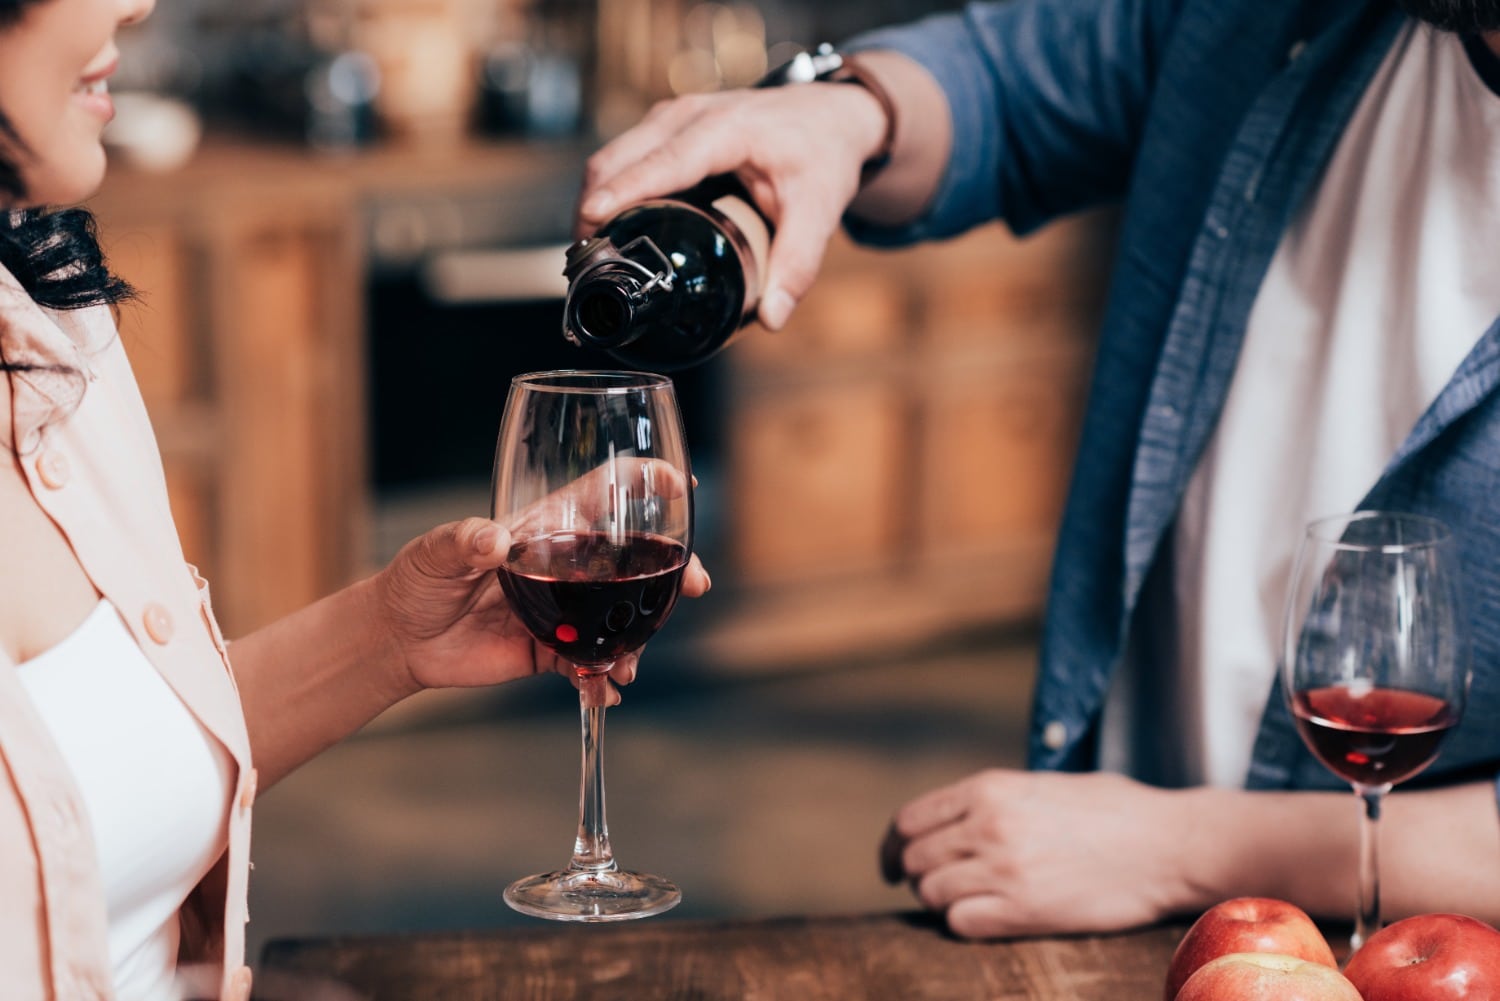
(465, 292)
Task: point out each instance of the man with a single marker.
(1302, 322)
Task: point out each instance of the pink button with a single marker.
(53, 470)
(247, 791)
(158, 623)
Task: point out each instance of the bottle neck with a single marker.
(613, 291)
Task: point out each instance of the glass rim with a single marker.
(1329, 531)
(590, 380)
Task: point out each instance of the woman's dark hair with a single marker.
(55, 256)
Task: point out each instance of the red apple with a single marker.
(1266, 976)
(1430, 957)
(1246, 924)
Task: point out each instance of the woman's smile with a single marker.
(93, 91)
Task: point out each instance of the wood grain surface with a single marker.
(876, 957)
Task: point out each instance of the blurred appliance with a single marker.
(536, 73)
(285, 86)
(465, 291)
(529, 90)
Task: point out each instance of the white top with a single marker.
(155, 784)
(1375, 295)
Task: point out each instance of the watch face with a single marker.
(805, 67)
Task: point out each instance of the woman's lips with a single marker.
(93, 94)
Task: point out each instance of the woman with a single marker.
(132, 749)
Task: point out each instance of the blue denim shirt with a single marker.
(1210, 120)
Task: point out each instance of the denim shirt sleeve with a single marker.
(1047, 97)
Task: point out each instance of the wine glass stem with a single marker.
(591, 850)
(1368, 921)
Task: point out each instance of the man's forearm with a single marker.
(1439, 850)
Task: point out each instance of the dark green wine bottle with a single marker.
(667, 283)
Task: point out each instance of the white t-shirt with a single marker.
(1377, 292)
(155, 783)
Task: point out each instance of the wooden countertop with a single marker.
(871, 958)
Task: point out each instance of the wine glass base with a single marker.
(581, 895)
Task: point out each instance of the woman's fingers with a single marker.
(624, 670)
(456, 549)
(595, 691)
(695, 580)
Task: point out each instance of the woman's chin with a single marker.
(75, 183)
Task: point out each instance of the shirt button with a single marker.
(158, 623)
(247, 791)
(239, 984)
(53, 470)
(1055, 735)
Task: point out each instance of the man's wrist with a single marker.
(825, 64)
(855, 70)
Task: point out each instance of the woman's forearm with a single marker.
(314, 677)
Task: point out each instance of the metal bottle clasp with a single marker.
(637, 255)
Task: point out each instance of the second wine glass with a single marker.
(1375, 663)
(593, 482)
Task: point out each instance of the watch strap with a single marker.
(853, 70)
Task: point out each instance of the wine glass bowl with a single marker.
(1375, 664)
(592, 481)
(1373, 737)
(591, 598)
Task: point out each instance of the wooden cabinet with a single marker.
(896, 459)
(899, 455)
(248, 342)
(815, 489)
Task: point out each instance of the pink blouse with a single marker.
(97, 473)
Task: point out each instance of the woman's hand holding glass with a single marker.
(443, 608)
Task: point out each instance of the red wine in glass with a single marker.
(1373, 736)
(1375, 661)
(593, 481)
(592, 597)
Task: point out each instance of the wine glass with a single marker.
(1375, 665)
(592, 480)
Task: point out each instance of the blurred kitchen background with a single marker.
(347, 220)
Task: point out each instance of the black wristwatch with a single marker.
(805, 67)
(825, 64)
